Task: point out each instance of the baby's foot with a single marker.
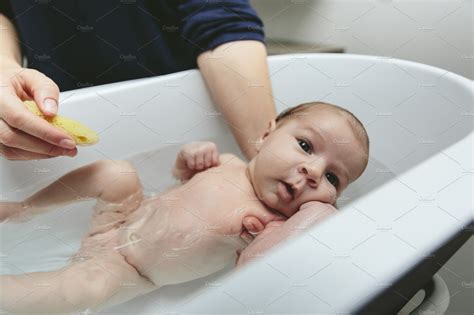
(13, 212)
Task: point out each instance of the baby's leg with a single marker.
(101, 281)
(109, 181)
(12, 212)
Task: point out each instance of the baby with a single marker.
(311, 152)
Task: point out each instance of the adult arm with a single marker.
(276, 232)
(9, 48)
(227, 37)
(236, 74)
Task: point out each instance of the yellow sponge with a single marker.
(81, 134)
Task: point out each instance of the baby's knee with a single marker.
(113, 167)
(87, 288)
(122, 180)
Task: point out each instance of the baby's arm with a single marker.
(106, 180)
(195, 157)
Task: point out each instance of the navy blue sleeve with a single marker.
(208, 24)
(6, 9)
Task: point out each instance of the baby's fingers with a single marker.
(190, 161)
(208, 159)
(215, 158)
(211, 156)
(199, 161)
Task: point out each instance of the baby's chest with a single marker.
(216, 201)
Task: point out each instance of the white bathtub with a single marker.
(399, 222)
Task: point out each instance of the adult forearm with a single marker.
(236, 74)
(9, 47)
(276, 232)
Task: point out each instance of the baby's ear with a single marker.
(271, 127)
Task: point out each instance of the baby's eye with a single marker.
(332, 179)
(305, 145)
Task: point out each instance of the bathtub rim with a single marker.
(110, 87)
(154, 80)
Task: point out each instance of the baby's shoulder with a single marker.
(230, 159)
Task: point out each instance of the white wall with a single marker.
(438, 33)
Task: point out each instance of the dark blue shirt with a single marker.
(80, 43)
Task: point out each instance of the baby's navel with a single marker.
(134, 237)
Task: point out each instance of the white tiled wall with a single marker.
(438, 33)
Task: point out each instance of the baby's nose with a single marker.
(312, 174)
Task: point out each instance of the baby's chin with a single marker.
(270, 199)
(274, 203)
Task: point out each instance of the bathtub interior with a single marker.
(413, 114)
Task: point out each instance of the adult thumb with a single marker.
(44, 91)
(253, 224)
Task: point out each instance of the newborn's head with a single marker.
(311, 152)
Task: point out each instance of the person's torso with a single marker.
(193, 230)
(80, 43)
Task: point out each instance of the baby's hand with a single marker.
(195, 157)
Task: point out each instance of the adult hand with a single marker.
(276, 232)
(23, 135)
(252, 226)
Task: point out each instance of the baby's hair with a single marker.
(355, 123)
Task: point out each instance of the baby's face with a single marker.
(310, 157)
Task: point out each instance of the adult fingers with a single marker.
(15, 114)
(246, 237)
(253, 224)
(18, 139)
(44, 91)
(317, 208)
(20, 155)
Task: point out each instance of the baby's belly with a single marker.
(98, 244)
(172, 247)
